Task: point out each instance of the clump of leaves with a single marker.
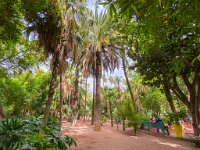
(175, 117)
(23, 133)
(126, 111)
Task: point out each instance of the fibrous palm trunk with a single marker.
(85, 101)
(93, 101)
(52, 87)
(98, 92)
(74, 101)
(62, 79)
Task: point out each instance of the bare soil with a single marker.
(109, 138)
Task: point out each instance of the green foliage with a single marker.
(11, 24)
(28, 93)
(126, 111)
(175, 117)
(153, 102)
(23, 133)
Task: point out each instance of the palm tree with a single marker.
(55, 34)
(111, 79)
(101, 54)
(139, 89)
(104, 79)
(117, 81)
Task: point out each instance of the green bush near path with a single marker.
(23, 133)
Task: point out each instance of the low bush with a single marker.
(23, 133)
(196, 141)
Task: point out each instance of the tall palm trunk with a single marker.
(52, 87)
(85, 100)
(93, 101)
(62, 79)
(128, 83)
(98, 92)
(74, 101)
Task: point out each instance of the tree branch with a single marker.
(176, 89)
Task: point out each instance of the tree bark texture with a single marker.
(62, 79)
(52, 87)
(85, 101)
(93, 100)
(98, 92)
(74, 101)
(192, 102)
(168, 96)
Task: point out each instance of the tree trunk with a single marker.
(168, 96)
(111, 114)
(135, 130)
(62, 79)
(194, 122)
(198, 102)
(93, 101)
(52, 87)
(123, 124)
(85, 101)
(128, 83)
(74, 101)
(98, 92)
(194, 107)
(2, 114)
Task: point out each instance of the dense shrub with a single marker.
(23, 134)
(126, 111)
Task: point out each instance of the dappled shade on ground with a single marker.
(112, 139)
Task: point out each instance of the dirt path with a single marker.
(113, 139)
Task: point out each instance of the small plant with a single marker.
(126, 111)
(196, 141)
(103, 119)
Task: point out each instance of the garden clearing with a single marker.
(112, 139)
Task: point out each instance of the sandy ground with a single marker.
(112, 139)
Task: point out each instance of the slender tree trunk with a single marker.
(2, 114)
(98, 92)
(93, 101)
(52, 87)
(111, 114)
(85, 101)
(128, 83)
(198, 102)
(168, 96)
(62, 79)
(123, 124)
(194, 121)
(74, 102)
